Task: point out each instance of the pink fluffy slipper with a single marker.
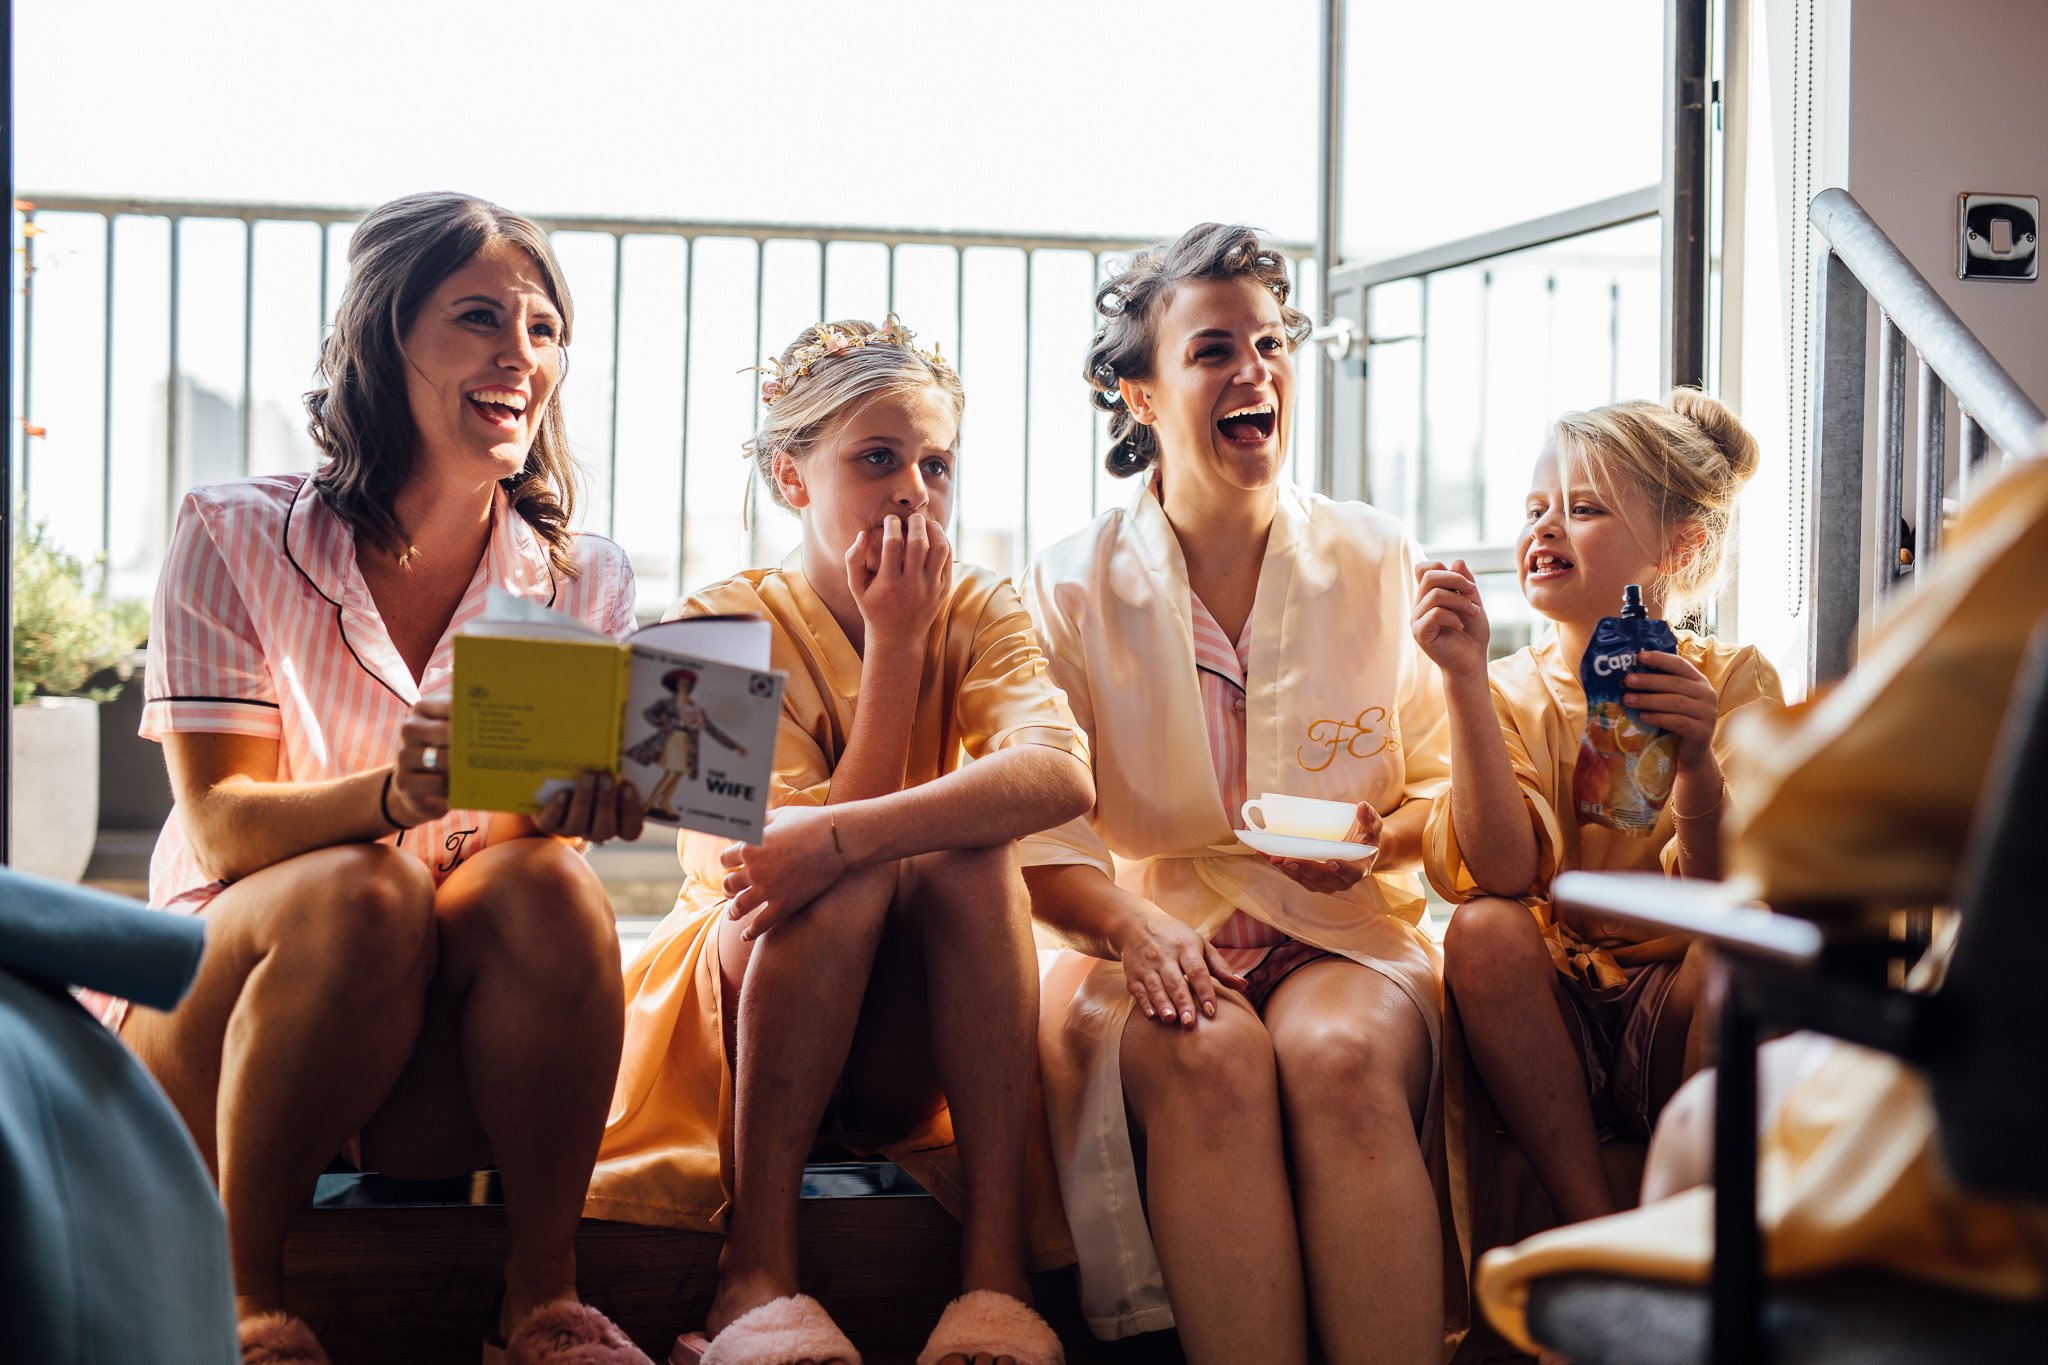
(781, 1331)
(571, 1333)
(278, 1339)
(989, 1323)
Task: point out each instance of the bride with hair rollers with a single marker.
(1225, 1018)
(866, 972)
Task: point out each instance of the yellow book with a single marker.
(685, 710)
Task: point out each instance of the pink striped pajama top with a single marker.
(264, 626)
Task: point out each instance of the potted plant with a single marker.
(63, 634)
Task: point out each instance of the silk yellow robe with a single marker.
(666, 1157)
(1541, 705)
(1339, 704)
(1864, 794)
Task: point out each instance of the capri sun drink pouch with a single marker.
(1625, 767)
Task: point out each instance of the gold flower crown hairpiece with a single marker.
(831, 341)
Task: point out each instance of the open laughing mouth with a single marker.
(1248, 426)
(1545, 566)
(502, 408)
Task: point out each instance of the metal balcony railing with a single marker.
(1865, 267)
(668, 313)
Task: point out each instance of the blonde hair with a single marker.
(1688, 457)
(836, 385)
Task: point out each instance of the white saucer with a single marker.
(1294, 846)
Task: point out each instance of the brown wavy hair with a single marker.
(359, 414)
(1130, 304)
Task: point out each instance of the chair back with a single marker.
(1988, 1061)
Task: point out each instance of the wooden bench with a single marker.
(397, 1272)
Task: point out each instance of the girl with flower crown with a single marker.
(865, 972)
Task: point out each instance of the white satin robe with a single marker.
(1339, 704)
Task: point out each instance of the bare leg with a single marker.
(1355, 1070)
(308, 1002)
(795, 995)
(1678, 1047)
(953, 998)
(517, 1059)
(1681, 1152)
(1222, 1217)
(979, 974)
(1514, 1017)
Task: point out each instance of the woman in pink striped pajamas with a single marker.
(425, 989)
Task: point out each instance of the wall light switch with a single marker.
(1998, 237)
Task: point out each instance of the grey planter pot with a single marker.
(54, 786)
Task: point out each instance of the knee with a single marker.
(542, 907)
(1681, 1153)
(1490, 941)
(376, 925)
(849, 918)
(978, 886)
(1338, 1071)
(1223, 1066)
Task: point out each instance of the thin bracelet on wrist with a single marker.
(832, 819)
(384, 802)
(1705, 811)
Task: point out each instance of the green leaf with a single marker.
(63, 632)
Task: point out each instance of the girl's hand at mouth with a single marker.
(900, 577)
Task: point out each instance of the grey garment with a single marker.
(112, 1242)
(76, 936)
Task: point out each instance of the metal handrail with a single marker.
(1864, 265)
(653, 227)
(1576, 221)
(963, 246)
(1982, 386)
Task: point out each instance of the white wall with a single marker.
(1945, 98)
(1905, 103)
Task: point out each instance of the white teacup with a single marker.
(1302, 817)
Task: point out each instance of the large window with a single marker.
(1462, 119)
(1467, 369)
(1504, 230)
(1469, 366)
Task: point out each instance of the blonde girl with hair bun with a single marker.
(1688, 457)
(1579, 1032)
(865, 973)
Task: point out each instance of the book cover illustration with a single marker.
(699, 737)
(688, 711)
